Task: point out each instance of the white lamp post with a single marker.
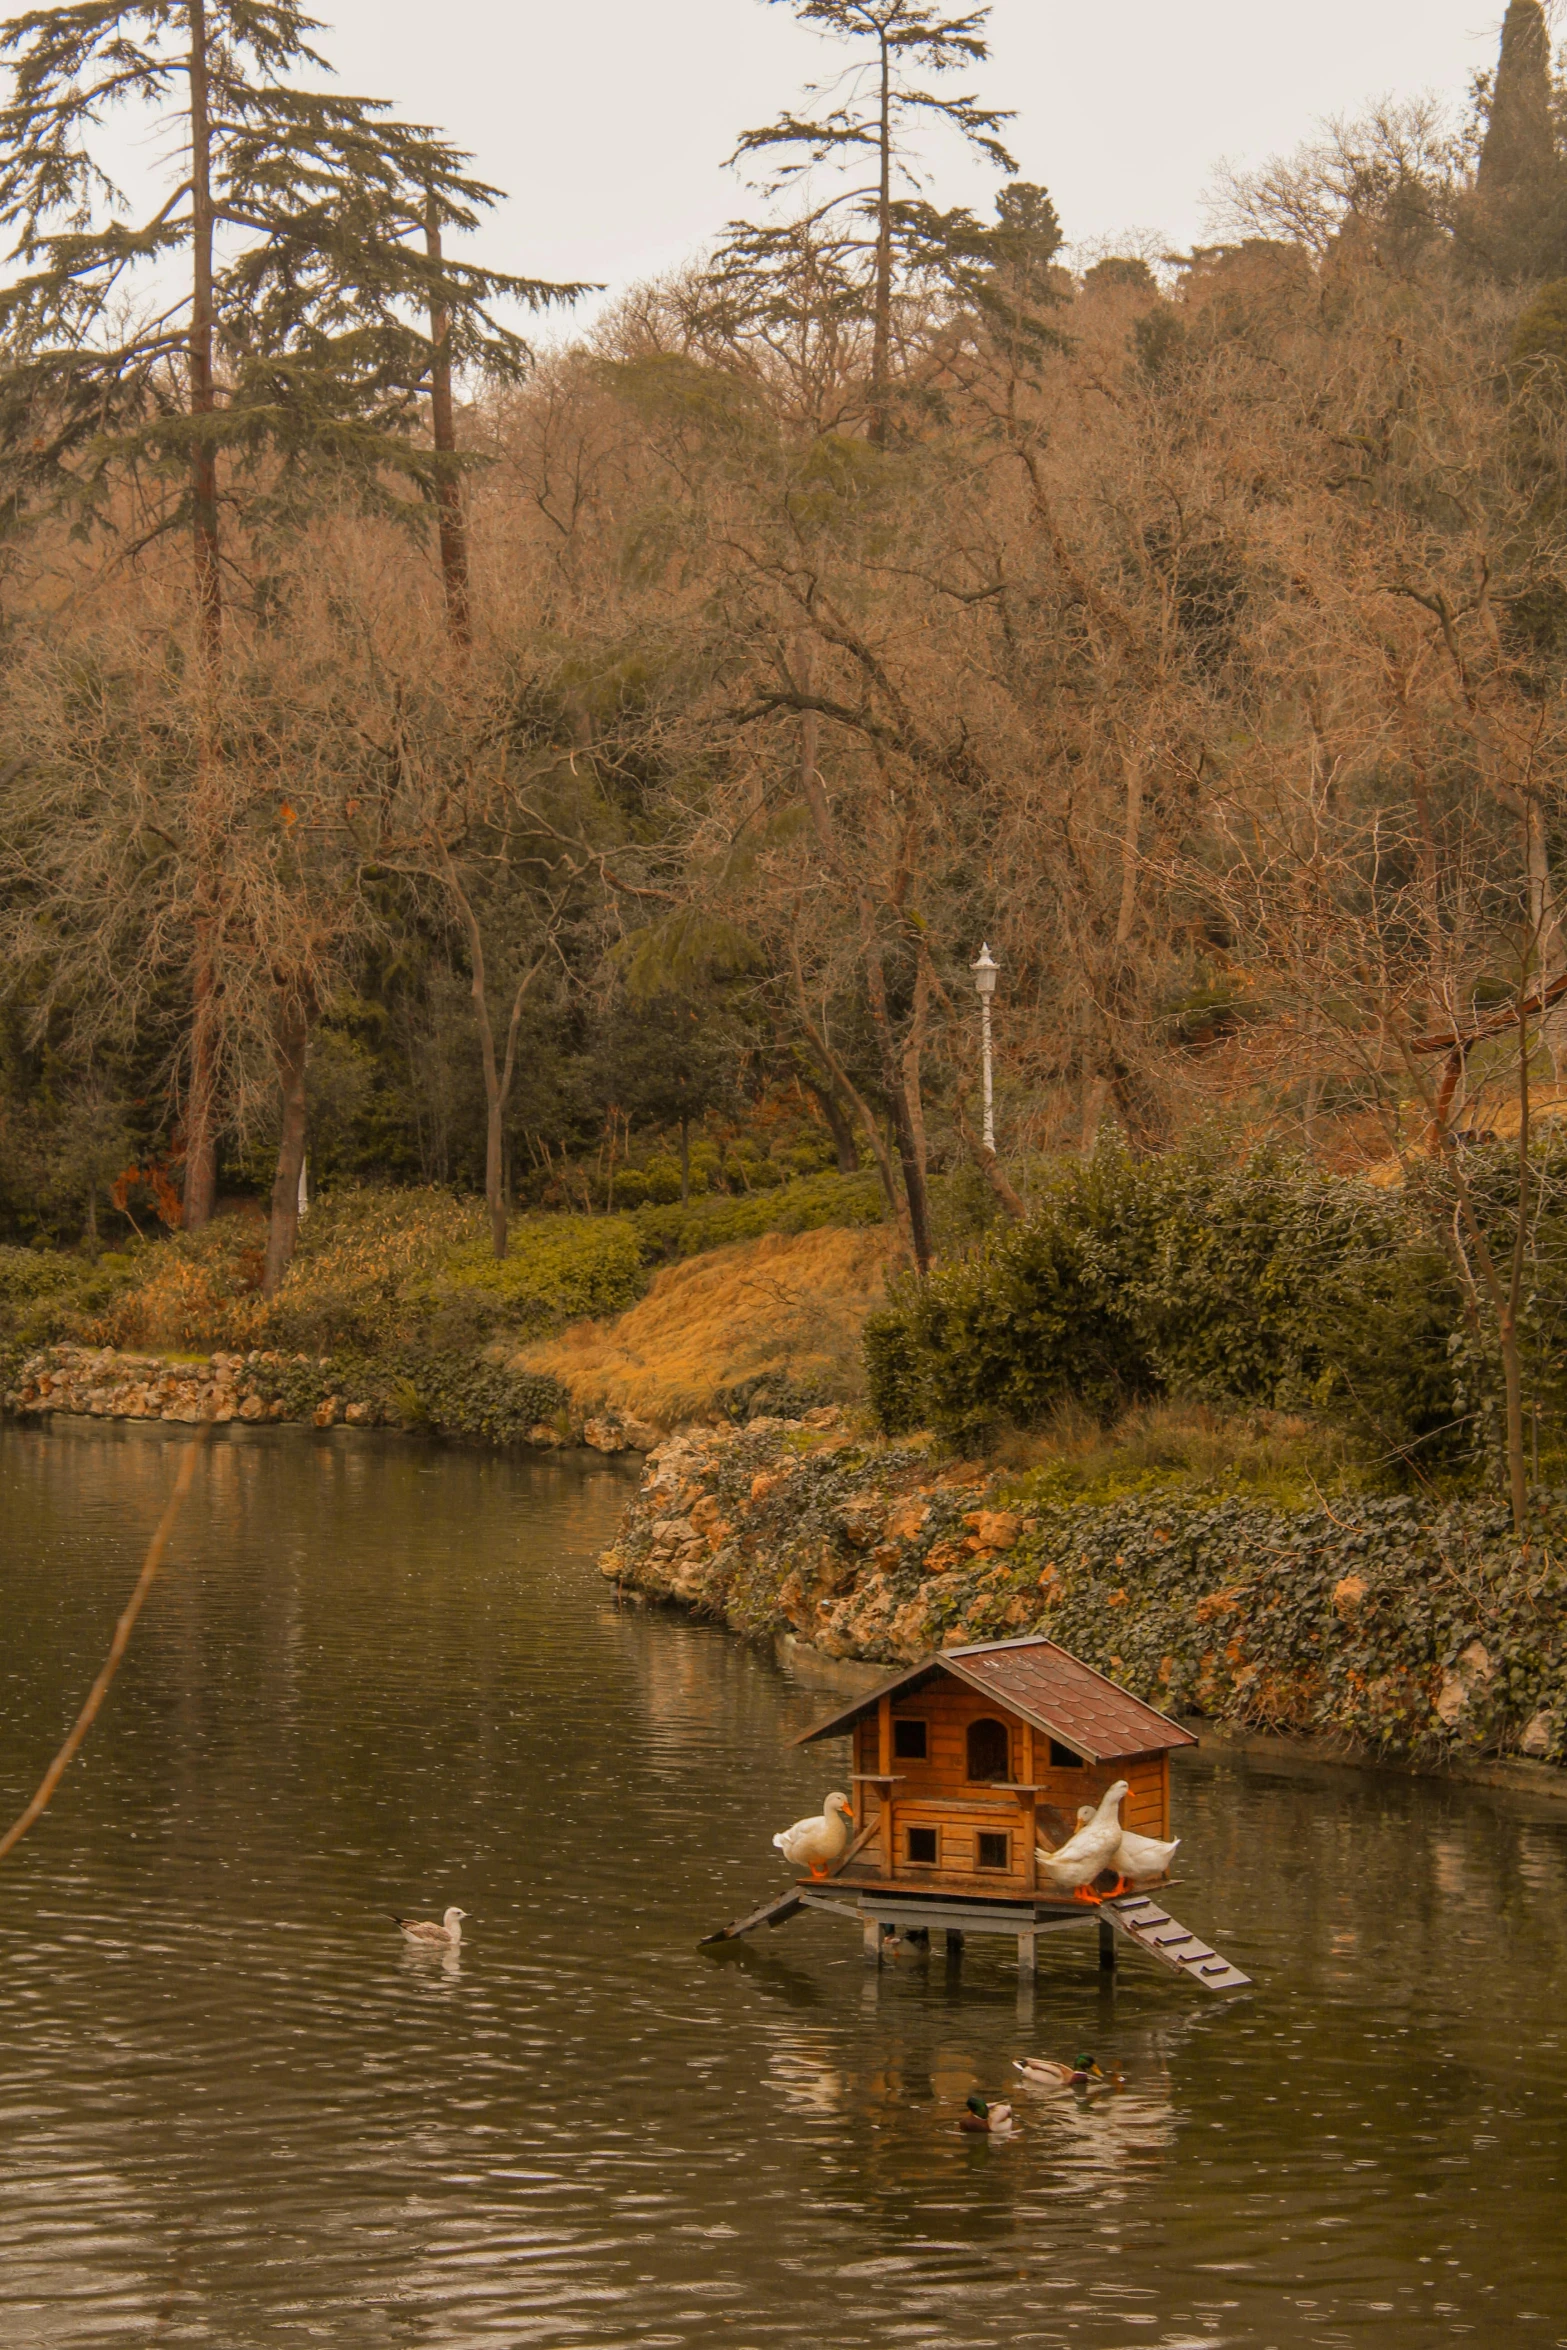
(985, 982)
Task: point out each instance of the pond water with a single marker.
(235, 2110)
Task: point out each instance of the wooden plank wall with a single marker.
(937, 1792)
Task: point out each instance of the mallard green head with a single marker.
(978, 2106)
(1091, 2066)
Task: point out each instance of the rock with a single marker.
(825, 1415)
(543, 1435)
(1539, 1735)
(278, 1410)
(1348, 1594)
(326, 1412)
(360, 1415)
(996, 1529)
(252, 1408)
(1472, 1670)
(604, 1435)
(907, 1520)
(640, 1435)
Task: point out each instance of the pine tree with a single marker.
(252, 327)
(864, 231)
(1516, 216)
(1004, 273)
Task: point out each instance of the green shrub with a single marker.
(1269, 1283)
(47, 1294)
(447, 1395)
(805, 1205)
(556, 1269)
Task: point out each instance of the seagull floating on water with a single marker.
(425, 1936)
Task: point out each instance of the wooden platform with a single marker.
(878, 1909)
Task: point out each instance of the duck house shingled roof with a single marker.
(1046, 1686)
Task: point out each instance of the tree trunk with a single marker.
(443, 432)
(1512, 1367)
(912, 1161)
(881, 325)
(838, 1126)
(203, 453)
(991, 1168)
(201, 1144)
(495, 1087)
(201, 1175)
(293, 1034)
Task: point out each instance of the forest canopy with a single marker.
(538, 770)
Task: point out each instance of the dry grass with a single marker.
(786, 1306)
(1073, 1458)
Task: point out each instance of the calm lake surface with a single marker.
(234, 2110)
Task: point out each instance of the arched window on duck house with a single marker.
(989, 1750)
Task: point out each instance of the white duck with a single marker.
(819, 1844)
(1139, 1856)
(1079, 1860)
(425, 1936)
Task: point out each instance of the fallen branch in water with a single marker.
(117, 1647)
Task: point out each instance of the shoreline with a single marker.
(450, 1397)
(1387, 1634)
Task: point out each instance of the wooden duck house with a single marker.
(966, 1762)
(964, 1765)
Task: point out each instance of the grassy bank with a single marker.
(396, 1312)
(1418, 1627)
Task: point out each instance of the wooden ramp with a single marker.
(772, 1913)
(1153, 1929)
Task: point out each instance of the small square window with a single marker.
(1062, 1758)
(995, 1852)
(922, 1844)
(908, 1741)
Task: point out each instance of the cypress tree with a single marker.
(1516, 215)
(254, 326)
(1519, 151)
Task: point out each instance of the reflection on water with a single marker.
(237, 2109)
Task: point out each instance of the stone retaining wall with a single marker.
(263, 1386)
(1419, 1629)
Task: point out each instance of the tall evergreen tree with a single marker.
(256, 322)
(863, 126)
(1519, 185)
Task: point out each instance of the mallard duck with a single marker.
(1046, 2072)
(987, 2121)
(819, 1844)
(1073, 1867)
(1137, 1856)
(425, 1936)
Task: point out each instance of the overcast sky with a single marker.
(609, 120)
